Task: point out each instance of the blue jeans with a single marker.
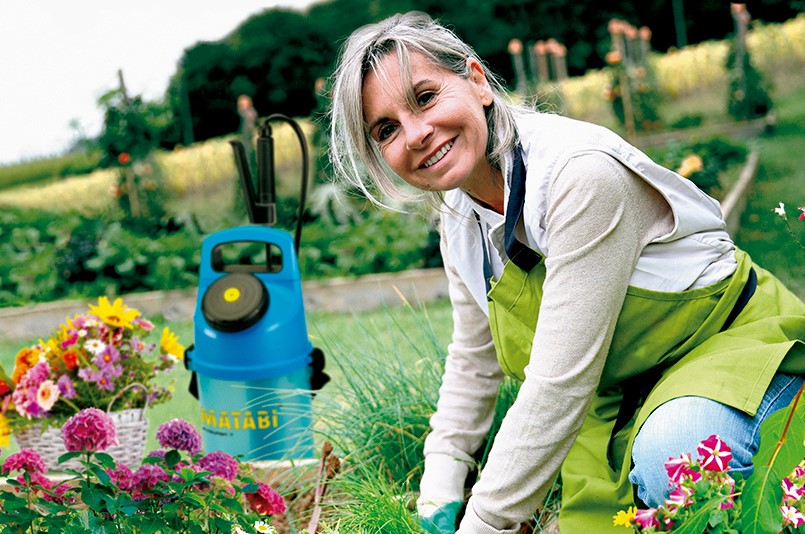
(679, 425)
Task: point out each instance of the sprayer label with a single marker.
(232, 420)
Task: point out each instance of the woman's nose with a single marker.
(417, 132)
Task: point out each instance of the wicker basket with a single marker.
(132, 430)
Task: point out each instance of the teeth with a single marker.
(439, 155)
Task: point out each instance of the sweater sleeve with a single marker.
(467, 395)
(600, 217)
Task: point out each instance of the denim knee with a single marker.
(678, 427)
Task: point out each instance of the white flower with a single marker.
(47, 395)
(264, 528)
(780, 210)
(237, 530)
(94, 346)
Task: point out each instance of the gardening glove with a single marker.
(443, 519)
(441, 493)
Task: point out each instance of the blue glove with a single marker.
(443, 520)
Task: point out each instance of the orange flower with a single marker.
(26, 358)
(70, 359)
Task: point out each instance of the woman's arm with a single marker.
(467, 396)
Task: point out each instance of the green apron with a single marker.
(675, 342)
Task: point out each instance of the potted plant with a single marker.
(103, 359)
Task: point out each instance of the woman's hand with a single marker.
(442, 520)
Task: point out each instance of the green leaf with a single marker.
(781, 449)
(66, 457)
(761, 498)
(697, 522)
(173, 457)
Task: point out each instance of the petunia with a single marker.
(678, 468)
(647, 518)
(792, 516)
(715, 454)
(680, 497)
(791, 490)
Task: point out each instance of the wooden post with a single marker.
(741, 17)
(131, 184)
(616, 30)
(516, 51)
(540, 50)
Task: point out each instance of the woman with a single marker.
(628, 266)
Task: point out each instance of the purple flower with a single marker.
(66, 387)
(89, 430)
(25, 394)
(180, 435)
(159, 453)
(107, 357)
(219, 464)
(27, 460)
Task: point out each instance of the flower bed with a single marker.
(176, 489)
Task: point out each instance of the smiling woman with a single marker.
(604, 282)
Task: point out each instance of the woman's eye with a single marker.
(424, 98)
(385, 131)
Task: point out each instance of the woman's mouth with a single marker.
(437, 157)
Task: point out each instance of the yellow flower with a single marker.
(690, 165)
(170, 344)
(5, 431)
(624, 518)
(116, 314)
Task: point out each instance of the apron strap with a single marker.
(522, 256)
(487, 263)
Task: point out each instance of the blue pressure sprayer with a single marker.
(254, 368)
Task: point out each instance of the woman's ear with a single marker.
(478, 77)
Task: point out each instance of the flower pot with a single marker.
(132, 429)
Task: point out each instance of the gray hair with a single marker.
(355, 157)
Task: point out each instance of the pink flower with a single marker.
(89, 430)
(122, 477)
(646, 518)
(146, 478)
(27, 460)
(801, 215)
(792, 516)
(47, 395)
(219, 464)
(25, 394)
(715, 454)
(180, 435)
(678, 468)
(791, 490)
(681, 497)
(266, 501)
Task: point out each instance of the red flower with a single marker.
(124, 158)
(715, 454)
(266, 501)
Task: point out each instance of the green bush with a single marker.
(717, 154)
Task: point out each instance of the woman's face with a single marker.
(441, 143)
